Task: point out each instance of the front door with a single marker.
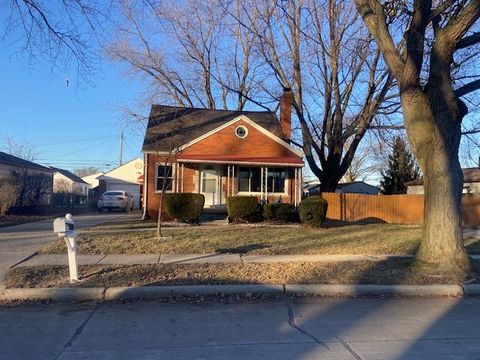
(210, 185)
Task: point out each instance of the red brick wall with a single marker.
(225, 142)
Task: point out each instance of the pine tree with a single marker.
(402, 168)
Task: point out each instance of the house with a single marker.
(127, 177)
(357, 187)
(220, 153)
(37, 178)
(66, 182)
(92, 180)
(471, 182)
(352, 187)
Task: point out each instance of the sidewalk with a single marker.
(215, 258)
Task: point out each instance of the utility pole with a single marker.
(121, 147)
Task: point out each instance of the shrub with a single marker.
(243, 208)
(8, 195)
(313, 210)
(184, 207)
(280, 212)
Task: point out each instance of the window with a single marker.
(276, 180)
(249, 179)
(241, 132)
(164, 176)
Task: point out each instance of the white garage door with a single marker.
(133, 189)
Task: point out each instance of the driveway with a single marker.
(20, 241)
(330, 329)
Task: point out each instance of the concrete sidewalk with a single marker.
(214, 258)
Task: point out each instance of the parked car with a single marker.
(118, 199)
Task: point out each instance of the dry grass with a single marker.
(388, 272)
(355, 239)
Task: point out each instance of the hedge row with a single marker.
(312, 210)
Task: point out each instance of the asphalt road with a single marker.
(373, 329)
(20, 241)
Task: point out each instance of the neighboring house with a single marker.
(127, 177)
(66, 182)
(354, 187)
(220, 153)
(471, 182)
(10, 165)
(357, 187)
(92, 180)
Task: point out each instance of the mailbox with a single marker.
(65, 227)
(62, 225)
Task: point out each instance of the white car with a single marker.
(118, 199)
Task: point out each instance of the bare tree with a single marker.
(85, 171)
(55, 31)
(20, 148)
(187, 53)
(433, 77)
(338, 78)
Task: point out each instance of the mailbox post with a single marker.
(65, 227)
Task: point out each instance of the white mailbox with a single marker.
(65, 227)
(62, 225)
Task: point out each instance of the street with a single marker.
(20, 241)
(269, 329)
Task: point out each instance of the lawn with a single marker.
(354, 239)
(361, 272)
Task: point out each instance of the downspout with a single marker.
(145, 186)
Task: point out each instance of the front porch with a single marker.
(269, 182)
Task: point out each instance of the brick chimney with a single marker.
(286, 113)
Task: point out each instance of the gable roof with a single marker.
(16, 161)
(68, 175)
(470, 175)
(171, 126)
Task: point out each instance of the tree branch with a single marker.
(468, 88)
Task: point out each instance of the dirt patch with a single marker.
(364, 272)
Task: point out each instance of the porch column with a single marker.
(228, 180)
(233, 180)
(295, 187)
(266, 184)
(181, 187)
(261, 184)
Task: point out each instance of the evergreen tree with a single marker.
(402, 168)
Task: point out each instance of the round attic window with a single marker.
(241, 131)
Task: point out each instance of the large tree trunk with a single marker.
(435, 137)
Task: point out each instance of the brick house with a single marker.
(220, 153)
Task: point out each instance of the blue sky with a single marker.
(68, 126)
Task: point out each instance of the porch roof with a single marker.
(291, 161)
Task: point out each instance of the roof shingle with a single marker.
(170, 127)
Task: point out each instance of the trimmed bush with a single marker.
(313, 210)
(280, 212)
(184, 207)
(243, 208)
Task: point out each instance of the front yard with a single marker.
(398, 271)
(279, 240)
(139, 238)
(253, 240)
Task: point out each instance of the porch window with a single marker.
(249, 179)
(164, 176)
(276, 180)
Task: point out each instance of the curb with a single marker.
(377, 290)
(155, 292)
(159, 292)
(56, 294)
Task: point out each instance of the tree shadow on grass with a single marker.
(243, 249)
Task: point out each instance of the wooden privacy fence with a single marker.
(395, 209)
